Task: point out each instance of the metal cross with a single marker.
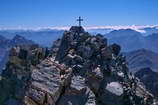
(80, 20)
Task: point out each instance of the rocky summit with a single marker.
(80, 69)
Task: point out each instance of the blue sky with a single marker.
(43, 13)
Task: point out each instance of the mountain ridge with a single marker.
(131, 40)
(149, 78)
(7, 44)
(84, 71)
(142, 58)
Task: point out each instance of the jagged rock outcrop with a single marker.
(149, 78)
(77, 93)
(6, 45)
(82, 70)
(55, 47)
(16, 76)
(104, 69)
(47, 83)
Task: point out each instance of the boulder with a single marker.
(47, 84)
(115, 49)
(115, 88)
(94, 79)
(78, 93)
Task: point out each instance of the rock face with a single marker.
(16, 76)
(82, 70)
(47, 83)
(149, 78)
(6, 45)
(77, 93)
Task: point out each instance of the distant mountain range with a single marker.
(6, 44)
(44, 37)
(144, 30)
(132, 40)
(129, 37)
(142, 58)
(149, 30)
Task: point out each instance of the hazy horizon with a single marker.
(115, 27)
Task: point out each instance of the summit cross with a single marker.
(79, 20)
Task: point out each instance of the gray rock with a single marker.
(66, 41)
(78, 93)
(115, 88)
(85, 51)
(47, 84)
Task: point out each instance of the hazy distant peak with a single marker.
(2, 38)
(18, 37)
